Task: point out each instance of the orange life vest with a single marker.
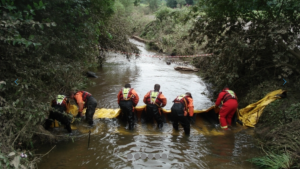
(126, 95)
(152, 98)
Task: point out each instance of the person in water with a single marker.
(59, 105)
(155, 100)
(229, 106)
(127, 100)
(182, 112)
(85, 100)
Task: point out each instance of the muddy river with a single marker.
(113, 146)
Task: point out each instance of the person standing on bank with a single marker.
(127, 100)
(182, 111)
(229, 105)
(59, 104)
(85, 100)
(154, 101)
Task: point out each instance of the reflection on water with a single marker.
(111, 143)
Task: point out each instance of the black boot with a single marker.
(160, 125)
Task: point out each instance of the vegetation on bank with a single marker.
(169, 32)
(48, 46)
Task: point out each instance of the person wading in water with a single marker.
(154, 101)
(127, 100)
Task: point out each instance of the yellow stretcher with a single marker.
(250, 114)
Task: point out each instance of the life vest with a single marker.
(182, 99)
(154, 98)
(60, 100)
(229, 95)
(127, 94)
(85, 96)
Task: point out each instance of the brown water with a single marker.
(111, 144)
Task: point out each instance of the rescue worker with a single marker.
(182, 111)
(229, 105)
(127, 100)
(85, 100)
(60, 106)
(154, 101)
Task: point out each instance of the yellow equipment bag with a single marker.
(250, 114)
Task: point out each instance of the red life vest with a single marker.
(183, 99)
(157, 100)
(228, 95)
(129, 94)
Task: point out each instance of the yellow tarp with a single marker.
(250, 114)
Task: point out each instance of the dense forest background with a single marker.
(48, 46)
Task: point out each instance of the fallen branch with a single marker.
(48, 151)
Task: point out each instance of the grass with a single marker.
(273, 161)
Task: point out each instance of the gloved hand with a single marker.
(79, 115)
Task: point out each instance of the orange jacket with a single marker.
(161, 97)
(190, 106)
(80, 102)
(135, 98)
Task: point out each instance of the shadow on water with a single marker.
(112, 145)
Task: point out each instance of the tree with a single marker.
(153, 4)
(189, 2)
(171, 3)
(251, 40)
(181, 2)
(137, 2)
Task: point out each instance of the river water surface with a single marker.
(113, 146)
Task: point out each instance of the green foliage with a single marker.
(46, 46)
(153, 4)
(181, 2)
(163, 13)
(273, 161)
(169, 31)
(252, 41)
(190, 2)
(171, 3)
(137, 2)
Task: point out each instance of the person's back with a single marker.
(59, 104)
(85, 100)
(182, 112)
(155, 100)
(127, 100)
(227, 98)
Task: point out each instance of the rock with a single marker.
(91, 74)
